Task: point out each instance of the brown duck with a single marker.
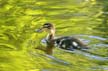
(66, 42)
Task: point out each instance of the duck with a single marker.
(65, 42)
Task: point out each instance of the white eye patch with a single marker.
(74, 43)
(63, 45)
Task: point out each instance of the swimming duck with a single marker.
(65, 42)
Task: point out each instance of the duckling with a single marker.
(66, 42)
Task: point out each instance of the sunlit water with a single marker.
(70, 17)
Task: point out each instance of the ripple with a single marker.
(60, 61)
(89, 55)
(91, 36)
(101, 45)
(99, 67)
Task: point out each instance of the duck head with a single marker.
(49, 28)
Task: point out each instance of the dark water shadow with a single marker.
(5, 59)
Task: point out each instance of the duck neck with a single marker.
(50, 42)
(51, 35)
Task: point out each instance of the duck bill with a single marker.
(39, 30)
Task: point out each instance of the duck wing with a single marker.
(69, 43)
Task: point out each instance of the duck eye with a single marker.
(46, 26)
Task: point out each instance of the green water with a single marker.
(85, 19)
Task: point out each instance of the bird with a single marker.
(65, 42)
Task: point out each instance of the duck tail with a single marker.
(80, 43)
